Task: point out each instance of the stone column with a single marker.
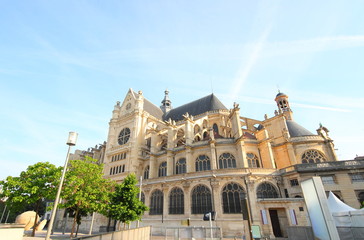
(267, 154)
(213, 155)
(153, 168)
(235, 122)
(242, 161)
(165, 189)
(187, 197)
(291, 154)
(189, 160)
(189, 132)
(170, 163)
(216, 200)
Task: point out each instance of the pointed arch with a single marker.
(162, 171)
(201, 200)
(313, 156)
(267, 190)
(176, 201)
(146, 172)
(196, 129)
(253, 160)
(227, 160)
(181, 166)
(216, 129)
(156, 203)
(232, 196)
(202, 163)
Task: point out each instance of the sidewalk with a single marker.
(40, 235)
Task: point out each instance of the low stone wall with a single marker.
(135, 234)
(12, 231)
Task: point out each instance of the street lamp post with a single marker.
(71, 141)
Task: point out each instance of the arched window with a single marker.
(176, 201)
(203, 163)
(181, 166)
(146, 172)
(232, 194)
(253, 161)
(156, 203)
(205, 135)
(313, 156)
(204, 124)
(180, 138)
(216, 129)
(266, 190)
(227, 160)
(162, 169)
(201, 200)
(197, 129)
(197, 138)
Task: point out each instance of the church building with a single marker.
(202, 157)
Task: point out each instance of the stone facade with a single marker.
(203, 157)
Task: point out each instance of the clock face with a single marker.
(124, 136)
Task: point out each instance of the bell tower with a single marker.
(283, 105)
(166, 103)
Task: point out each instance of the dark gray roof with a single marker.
(202, 105)
(281, 94)
(152, 109)
(296, 130)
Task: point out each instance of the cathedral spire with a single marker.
(166, 103)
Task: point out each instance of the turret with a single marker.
(283, 105)
(166, 103)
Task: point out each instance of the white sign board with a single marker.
(321, 219)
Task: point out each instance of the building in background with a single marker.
(202, 157)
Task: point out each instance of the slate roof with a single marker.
(199, 106)
(152, 109)
(296, 130)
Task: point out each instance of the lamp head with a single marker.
(72, 138)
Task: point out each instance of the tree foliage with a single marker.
(84, 189)
(37, 183)
(124, 204)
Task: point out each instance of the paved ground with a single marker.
(58, 235)
(42, 234)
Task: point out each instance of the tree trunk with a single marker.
(36, 218)
(74, 222)
(108, 225)
(78, 226)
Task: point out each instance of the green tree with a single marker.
(84, 190)
(124, 203)
(37, 183)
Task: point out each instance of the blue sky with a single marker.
(64, 64)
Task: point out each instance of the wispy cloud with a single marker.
(335, 109)
(313, 45)
(246, 67)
